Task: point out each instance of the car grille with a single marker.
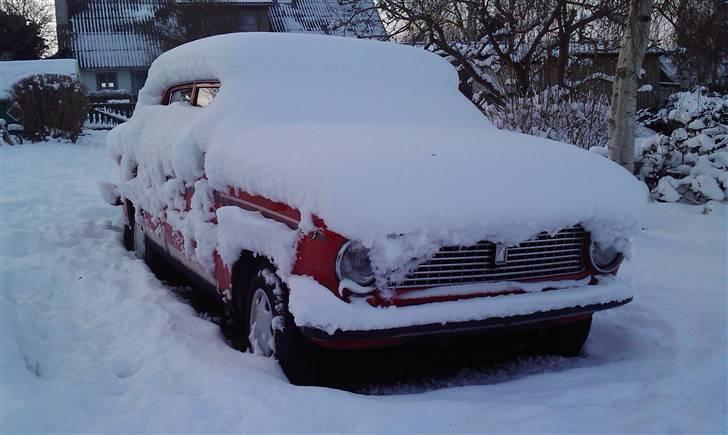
(541, 257)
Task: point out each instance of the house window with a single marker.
(206, 95)
(106, 81)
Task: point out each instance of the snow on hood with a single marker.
(372, 137)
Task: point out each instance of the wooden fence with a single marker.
(108, 115)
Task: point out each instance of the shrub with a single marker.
(555, 113)
(687, 157)
(51, 105)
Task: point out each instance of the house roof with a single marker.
(119, 33)
(336, 17)
(231, 2)
(114, 33)
(12, 71)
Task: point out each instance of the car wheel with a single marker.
(271, 330)
(128, 230)
(140, 241)
(568, 339)
(128, 238)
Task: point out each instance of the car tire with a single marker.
(145, 250)
(568, 339)
(299, 358)
(128, 238)
(128, 230)
(139, 242)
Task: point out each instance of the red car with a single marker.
(321, 225)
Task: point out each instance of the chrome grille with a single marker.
(541, 257)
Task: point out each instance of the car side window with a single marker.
(205, 95)
(181, 95)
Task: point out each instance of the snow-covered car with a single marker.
(340, 193)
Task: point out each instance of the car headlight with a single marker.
(605, 259)
(353, 264)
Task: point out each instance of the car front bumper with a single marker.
(331, 322)
(394, 336)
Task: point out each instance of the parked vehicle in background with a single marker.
(342, 194)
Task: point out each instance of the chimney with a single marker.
(61, 12)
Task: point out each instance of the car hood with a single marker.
(441, 184)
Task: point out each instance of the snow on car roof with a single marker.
(276, 78)
(372, 137)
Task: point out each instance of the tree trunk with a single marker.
(623, 108)
(565, 20)
(523, 81)
(563, 59)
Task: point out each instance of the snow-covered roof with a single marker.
(114, 33)
(312, 77)
(119, 33)
(12, 71)
(338, 17)
(230, 2)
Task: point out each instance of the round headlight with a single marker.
(605, 259)
(353, 264)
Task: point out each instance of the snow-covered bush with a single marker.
(555, 113)
(51, 105)
(687, 158)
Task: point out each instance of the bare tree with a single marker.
(38, 12)
(624, 92)
(506, 39)
(701, 33)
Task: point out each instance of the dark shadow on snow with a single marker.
(413, 368)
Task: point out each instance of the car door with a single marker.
(196, 206)
(173, 238)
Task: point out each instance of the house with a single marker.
(12, 71)
(115, 41)
(595, 70)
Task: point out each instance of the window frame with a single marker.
(168, 93)
(194, 85)
(103, 76)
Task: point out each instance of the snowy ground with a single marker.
(93, 342)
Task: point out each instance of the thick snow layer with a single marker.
(372, 137)
(93, 342)
(690, 148)
(315, 306)
(240, 229)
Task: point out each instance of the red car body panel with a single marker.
(317, 251)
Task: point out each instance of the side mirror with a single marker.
(109, 191)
